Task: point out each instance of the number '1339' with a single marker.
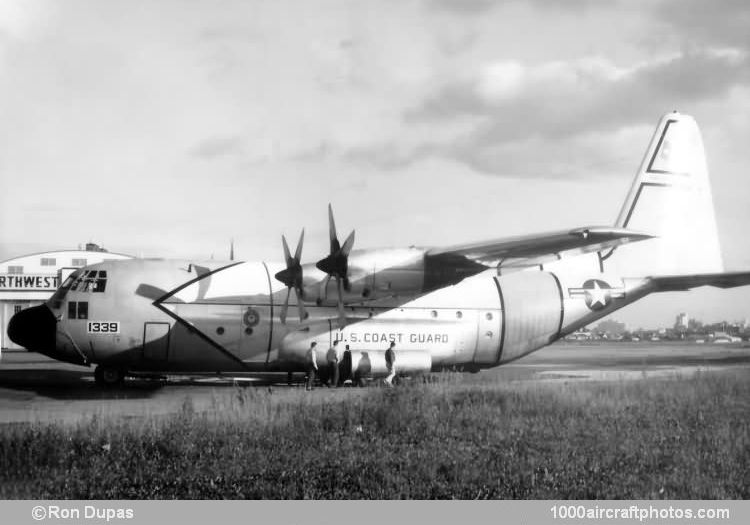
(104, 327)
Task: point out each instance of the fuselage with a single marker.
(211, 317)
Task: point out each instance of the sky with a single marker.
(166, 128)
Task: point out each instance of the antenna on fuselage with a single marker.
(231, 249)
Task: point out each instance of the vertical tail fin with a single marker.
(671, 199)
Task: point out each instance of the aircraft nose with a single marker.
(34, 329)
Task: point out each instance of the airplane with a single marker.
(469, 307)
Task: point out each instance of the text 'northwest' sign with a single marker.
(28, 282)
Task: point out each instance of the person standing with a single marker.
(312, 365)
(346, 363)
(390, 364)
(332, 358)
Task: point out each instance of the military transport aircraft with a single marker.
(471, 306)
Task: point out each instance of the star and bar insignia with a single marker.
(597, 293)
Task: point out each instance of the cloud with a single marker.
(582, 95)
(526, 118)
(705, 23)
(216, 147)
(463, 6)
(476, 7)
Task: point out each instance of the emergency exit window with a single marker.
(83, 310)
(78, 310)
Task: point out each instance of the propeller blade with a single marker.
(287, 256)
(298, 252)
(301, 309)
(325, 287)
(291, 276)
(335, 246)
(342, 316)
(285, 306)
(336, 264)
(348, 243)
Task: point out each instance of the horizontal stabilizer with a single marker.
(531, 250)
(675, 283)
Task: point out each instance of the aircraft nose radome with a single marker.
(34, 329)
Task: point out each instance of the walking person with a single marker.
(312, 365)
(390, 364)
(332, 358)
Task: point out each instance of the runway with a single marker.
(36, 388)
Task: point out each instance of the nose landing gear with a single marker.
(109, 376)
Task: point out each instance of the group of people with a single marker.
(332, 362)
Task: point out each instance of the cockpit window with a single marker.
(66, 284)
(101, 282)
(60, 293)
(90, 281)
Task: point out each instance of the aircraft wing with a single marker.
(676, 283)
(531, 250)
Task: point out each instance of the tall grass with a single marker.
(454, 438)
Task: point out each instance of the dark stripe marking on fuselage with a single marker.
(270, 320)
(191, 327)
(502, 321)
(562, 304)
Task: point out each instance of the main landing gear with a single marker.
(109, 376)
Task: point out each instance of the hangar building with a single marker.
(31, 279)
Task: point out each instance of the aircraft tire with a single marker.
(108, 376)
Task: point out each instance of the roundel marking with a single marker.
(598, 294)
(251, 317)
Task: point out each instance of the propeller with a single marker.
(336, 264)
(291, 276)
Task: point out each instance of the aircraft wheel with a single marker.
(108, 376)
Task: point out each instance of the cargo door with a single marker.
(155, 342)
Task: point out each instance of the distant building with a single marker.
(682, 322)
(610, 327)
(31, 279)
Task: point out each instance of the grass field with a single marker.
(462, 437)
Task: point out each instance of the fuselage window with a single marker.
(78, 262)
(15, 270)
(72, 310)
(48, 261)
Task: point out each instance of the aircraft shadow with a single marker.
(80, 385)
(72, 384)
